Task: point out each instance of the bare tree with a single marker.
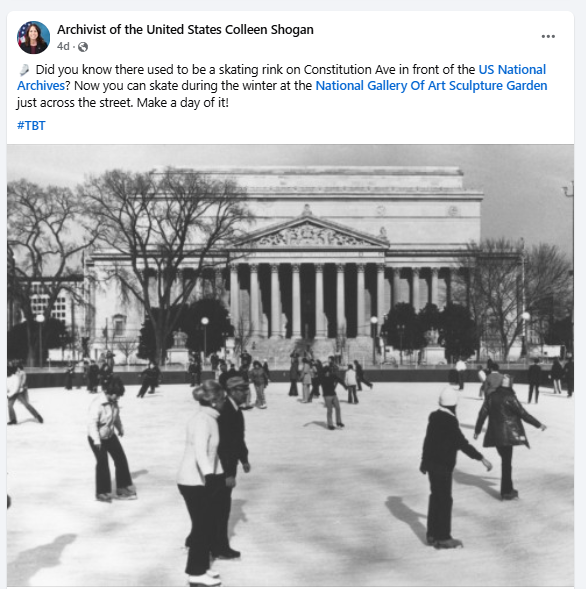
(47, 234)
(157, 222)
(500, 281)
(126, 346)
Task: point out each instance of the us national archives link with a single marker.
(332, 248)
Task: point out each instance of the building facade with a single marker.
(331, 248)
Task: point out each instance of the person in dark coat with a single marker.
(556, 374)
(294, 375)
(231, 451)
(505, 430)
(442, 441)
(69, 372)
(569, 376)
(106, 374)
(534, 377)
(224, 375)
(194, 371)
(360, 378)
(328, 383)
(150, 380)
(316, 371)
(93, 377)
(245, 360)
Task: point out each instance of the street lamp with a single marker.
(204, 322)
(40, 318)
(401, 329)
(524, 317)
(373, 330)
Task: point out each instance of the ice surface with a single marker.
(320, 507)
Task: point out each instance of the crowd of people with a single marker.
(535, 375)
(215, 439)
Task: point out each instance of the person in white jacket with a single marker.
(199, 480)
(350, 382)
(104, 421)
(17, 390)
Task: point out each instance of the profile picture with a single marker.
(33, 37)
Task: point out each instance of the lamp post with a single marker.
(401, 329)
(524, 314)
(373, 330)
(204, 322)
(524, 317)
(40, 318)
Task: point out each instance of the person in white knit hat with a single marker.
(442, 442)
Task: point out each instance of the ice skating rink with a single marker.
(319, 508)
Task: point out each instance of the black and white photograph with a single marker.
(290, 365)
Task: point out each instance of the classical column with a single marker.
(396, 285)
(434, 286)
(275, 302)
(340, 301)
(296, 301)
(415, 288)
(380, 293)
(234, 295)
(448, 285)
(361, 322)
(320, 330)
(254, 300)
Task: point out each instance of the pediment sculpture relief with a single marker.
(308, 234)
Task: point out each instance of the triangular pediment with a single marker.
(307, 230)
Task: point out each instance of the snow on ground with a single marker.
(320, 507)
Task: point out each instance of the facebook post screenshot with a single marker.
(290, 294)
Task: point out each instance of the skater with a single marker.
(231, 450)
(69, 372)
(556, 374)
(440, 448)
(461, 369)
(294, 375)
(360, 378)
(17, 390)
(245, 360)
(328, 383)
(305, 378)
(265, 367)
(350, 380)
(201, 481)
(195, 371)
(569, 375)
(494, 380)
(482, 378)
(106, 374)
(104, 422)
(260, 381)
(505, 430)
(316, 370)
(534, 377)
(150, 380)
(93, 377)
(223, 376)
(244, 374)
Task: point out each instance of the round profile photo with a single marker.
(33, 37)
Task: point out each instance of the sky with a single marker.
(522, 184)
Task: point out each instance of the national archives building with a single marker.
(333, 247)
